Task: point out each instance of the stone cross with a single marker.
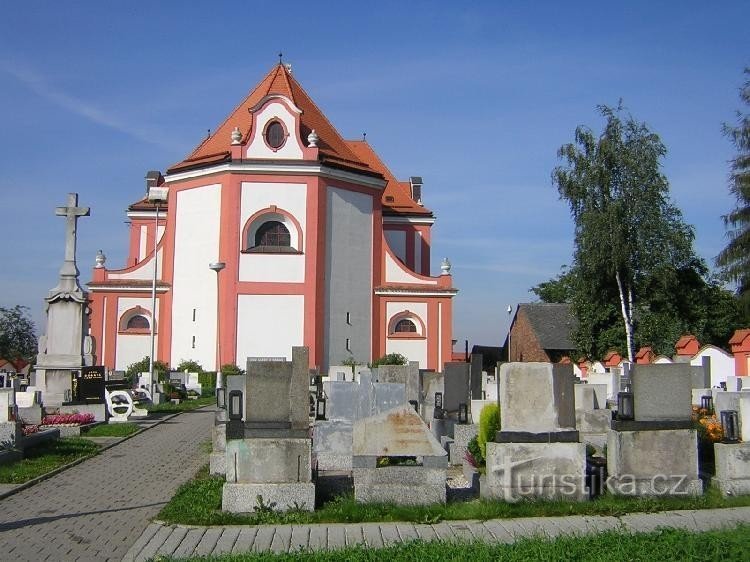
(69, 272)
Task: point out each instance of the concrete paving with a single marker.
(97, 509)
(185, 541)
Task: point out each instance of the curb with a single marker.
(58, 470)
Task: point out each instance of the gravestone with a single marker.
(536, 453)
(268, 451)
(89, 385)
(656, 453)
(408, 375)
(10, 429)
(457, 387)
(475, 377)
(66, 345)
(396, 459)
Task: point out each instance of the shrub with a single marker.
(190, 366)
(489, 423)
(142, 366)
(230, 370)
(389, 359)
(474, 453)
(208, 382)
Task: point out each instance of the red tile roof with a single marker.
(739, 336)
(400, 191)
(333, 149)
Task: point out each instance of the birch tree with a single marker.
(626, 227)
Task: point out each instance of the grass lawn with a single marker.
(198, 502)
(46, 457)
(668, 544)
(184, 406)
(112, 430)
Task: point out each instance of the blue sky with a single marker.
(475, 97)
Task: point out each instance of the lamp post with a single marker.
(156, 195)
(217, 267)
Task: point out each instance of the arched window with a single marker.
(138, 322)
(404, 326)
(272, 234)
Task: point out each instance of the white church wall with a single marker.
(397, 241)
(348, 287)
(197, 214)
(396, 273)
(133, 347)
(269, 325)
(413, 350)
(258, 147)
(145, 269)
(274, 268)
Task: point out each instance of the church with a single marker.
(275, 232)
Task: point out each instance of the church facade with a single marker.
(322, 246)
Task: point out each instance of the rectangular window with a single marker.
(348, 344)
(193, 342)
(349, 318)
(193, 315)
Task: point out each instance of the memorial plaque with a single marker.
(90, 385)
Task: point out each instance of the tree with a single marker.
(626, 228)
(734, 259)
(389, 359)
(142, 366)
(17, 334)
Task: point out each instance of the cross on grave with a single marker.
(69, 271)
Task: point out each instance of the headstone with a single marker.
(457, 389)
(475, 377)
(272, 458)
(397, 435)
(537, 398)
(724, 401)
(7, 404)
(536, 454)
(408, 375)
(88, 386)
(736, 384)
(662, 392)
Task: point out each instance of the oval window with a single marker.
(275, 134)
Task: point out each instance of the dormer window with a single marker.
(275, 134)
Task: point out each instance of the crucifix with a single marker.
(69, 272)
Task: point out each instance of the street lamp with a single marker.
(217, 267)
(156, 195)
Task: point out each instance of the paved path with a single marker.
(97, 509)
(183, 541)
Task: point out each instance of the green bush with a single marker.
(389, 359)
(489, 423)
(142, 366)
(230, 370)
(474, 453)
(190, 366)
(207, 381)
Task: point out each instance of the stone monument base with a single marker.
(402, 485)
(653, 463)
(244, 498)
(732, 468)
(535, 471)
(217, 463)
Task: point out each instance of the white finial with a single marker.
(312, 139)
(100, 259)
(445, 267)
(236, 136)
(288, 66)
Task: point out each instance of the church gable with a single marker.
(275, 130)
